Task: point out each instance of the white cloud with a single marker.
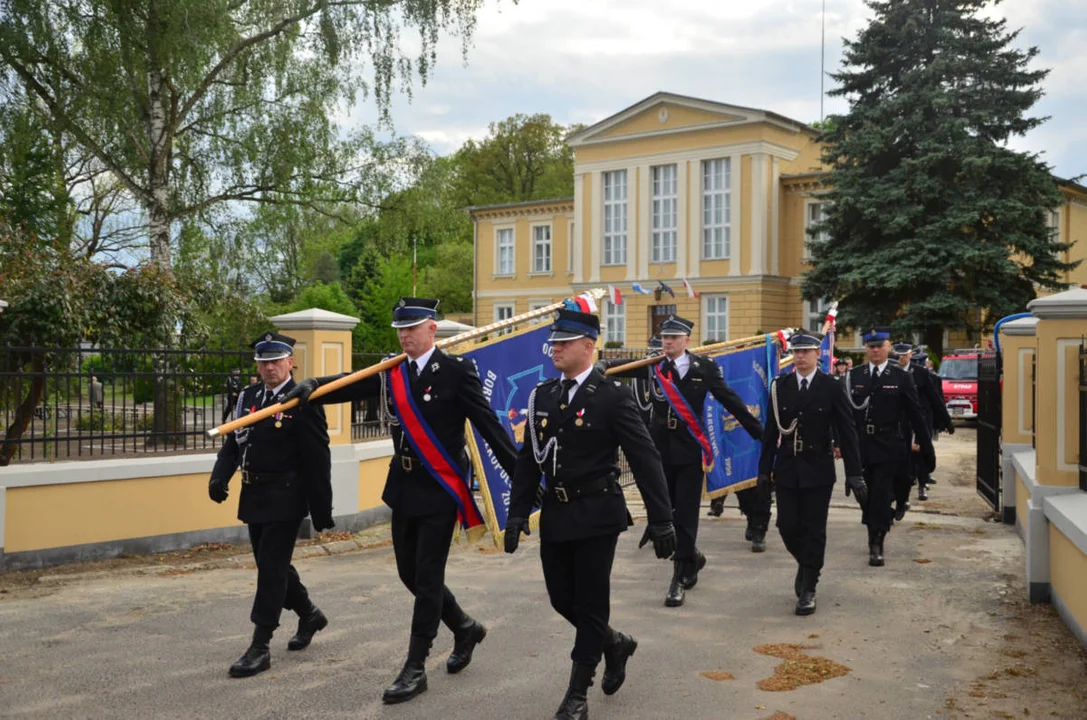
(583, 60)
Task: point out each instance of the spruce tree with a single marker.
(932, 220)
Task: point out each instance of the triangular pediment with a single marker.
(665, 113)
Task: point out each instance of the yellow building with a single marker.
(675, 188)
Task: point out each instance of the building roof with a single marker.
(752, 115)
(521, 203)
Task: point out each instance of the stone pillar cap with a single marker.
(1027, 326)
(1069, 304)
(314, 319)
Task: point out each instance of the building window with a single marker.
(504, 244)
(817, 314)
(503, 311)
(615, 218)
(616, 319)
(715, 318)
(541, 249)
(716, 209)
(536, 305)
(814, 213)
(664, 213)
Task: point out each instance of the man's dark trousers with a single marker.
(578, 578)
(278, 585)
(802, 520)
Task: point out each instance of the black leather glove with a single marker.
(663, 536)
(219, 490)
(514, 527)
(302, 391)
(950, 428)
(764, 486)
(856, 484)
(928, 454)
(322, 522)
(601, 365)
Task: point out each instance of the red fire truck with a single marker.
(959, 373)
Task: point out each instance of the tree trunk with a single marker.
(158, 170)
(24, 414)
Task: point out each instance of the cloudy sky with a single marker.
(583, 60)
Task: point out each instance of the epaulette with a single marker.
(548, 381)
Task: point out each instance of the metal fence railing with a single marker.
(366, 418)
(59, 403)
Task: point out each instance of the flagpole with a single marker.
(414, 264)
(246, 420)
(702, 350)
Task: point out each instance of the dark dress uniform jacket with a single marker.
(587, 452)
(456, 394)
(823, 417)
(678, 446)
(932, 403)
(298, 447)
(893, 402)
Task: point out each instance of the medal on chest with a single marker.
(579, 422)
(426, 394)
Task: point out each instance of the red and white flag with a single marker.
(690, 290)
(586, 303)
(614, 296)
(830, 324)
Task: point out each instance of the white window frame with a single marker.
(615, 323)
(536, 305)
(809, 206)
(664, 213)
(547, 244)
(709, 324)
(615, 196)
(816, 310)
(499, 314)
(717, 209)
(498, 235)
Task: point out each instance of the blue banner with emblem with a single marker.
(826, 353)
(509, 368)
(736, 454)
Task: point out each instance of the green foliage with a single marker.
(523, 157)
(930, 214)
(193, 103)
(450, 277)
(326, 297)
(392, 281)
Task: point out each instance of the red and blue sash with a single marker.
(431, 452)
(682, 408)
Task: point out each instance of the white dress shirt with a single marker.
(579, 380)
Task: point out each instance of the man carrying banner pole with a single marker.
(680, 385)
(573, 431)
(431, 394)
(809, 410)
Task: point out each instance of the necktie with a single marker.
(803, 384)
(413, 371)
(567, 384)
(670, 370)
(268, 395)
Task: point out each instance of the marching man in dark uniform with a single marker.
(430, 394)
(574, 429)
(286, 473)
(809, 411)
(936, 419)
(680, 384)
(883, 398)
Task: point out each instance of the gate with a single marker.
(989, 417)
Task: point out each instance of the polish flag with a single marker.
(783, 338)
(614, 296)
(830, 324)
(586, 303)
(690, 290)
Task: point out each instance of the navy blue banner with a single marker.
(509, 367)
(736, 454)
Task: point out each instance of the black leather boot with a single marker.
(922, 489)
(412, 678)
(758, 539)
(690, 575)
(875, 548)
(717, 507)
(675, 589)
(465, 639)
(901, 508)
(619, 649)
(798, 581)
(809, 577)
(308, 626)
(257, 658)
(575, 706)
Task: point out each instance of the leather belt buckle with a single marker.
(560, 494)
(870, 429)
(407, 464)
(673, 423)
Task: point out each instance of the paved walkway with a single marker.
(928, 636)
